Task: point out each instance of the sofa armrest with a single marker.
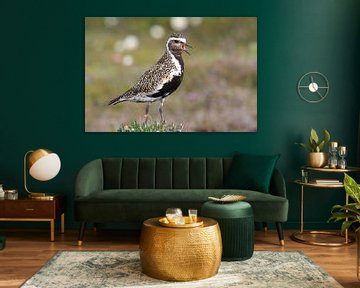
(277, 184)
(89, 179)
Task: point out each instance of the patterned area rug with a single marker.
(122, 269)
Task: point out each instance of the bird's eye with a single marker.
(177, 41)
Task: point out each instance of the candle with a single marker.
(342, 149)
(333, 151)
(342, 154)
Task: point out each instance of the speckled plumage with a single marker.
(161, 79)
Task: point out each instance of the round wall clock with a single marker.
(313, 87)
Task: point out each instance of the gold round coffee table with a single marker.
(180, 254)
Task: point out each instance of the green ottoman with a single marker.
(2, 242)
(236, 221)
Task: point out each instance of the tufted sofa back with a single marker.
(164, 173)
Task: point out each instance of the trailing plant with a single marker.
(314, 144)
(349, 214)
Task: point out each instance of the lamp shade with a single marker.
(43, 164)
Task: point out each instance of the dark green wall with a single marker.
(42, 88)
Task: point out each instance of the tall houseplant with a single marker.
(350, 214)
(317, 157)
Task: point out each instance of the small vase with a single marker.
(317, 159)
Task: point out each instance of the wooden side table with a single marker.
(27, 209)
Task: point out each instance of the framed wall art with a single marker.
(170, 74)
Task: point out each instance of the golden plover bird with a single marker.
(160, 80)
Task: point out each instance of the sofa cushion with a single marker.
(251, 172)
(266, 207)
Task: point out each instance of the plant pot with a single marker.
(317, 159)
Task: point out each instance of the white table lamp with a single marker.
(43, 165)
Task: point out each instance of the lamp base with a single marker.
(41, 196)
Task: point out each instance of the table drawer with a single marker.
(28, 209)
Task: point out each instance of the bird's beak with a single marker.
(185, 48)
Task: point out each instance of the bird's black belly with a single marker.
(168, 88)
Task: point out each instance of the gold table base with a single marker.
(295, 236)
(347, 241)
(180, 254)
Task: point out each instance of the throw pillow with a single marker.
(251, 172)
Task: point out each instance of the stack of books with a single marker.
(327, 181)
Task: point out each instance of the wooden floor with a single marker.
(28, 250)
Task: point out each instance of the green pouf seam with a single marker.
(238, 238)
(236, 221)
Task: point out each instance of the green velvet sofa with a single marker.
(130, 190)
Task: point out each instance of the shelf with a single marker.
(348, 169)
(313, 184)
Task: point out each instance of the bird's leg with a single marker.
(161, 111)
(146, 112)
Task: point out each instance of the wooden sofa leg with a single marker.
(81, 233)
(280, 233)
(265, 227)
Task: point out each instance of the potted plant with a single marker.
(350, 214)
(317, 157)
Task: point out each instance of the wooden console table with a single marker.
(27, 209)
